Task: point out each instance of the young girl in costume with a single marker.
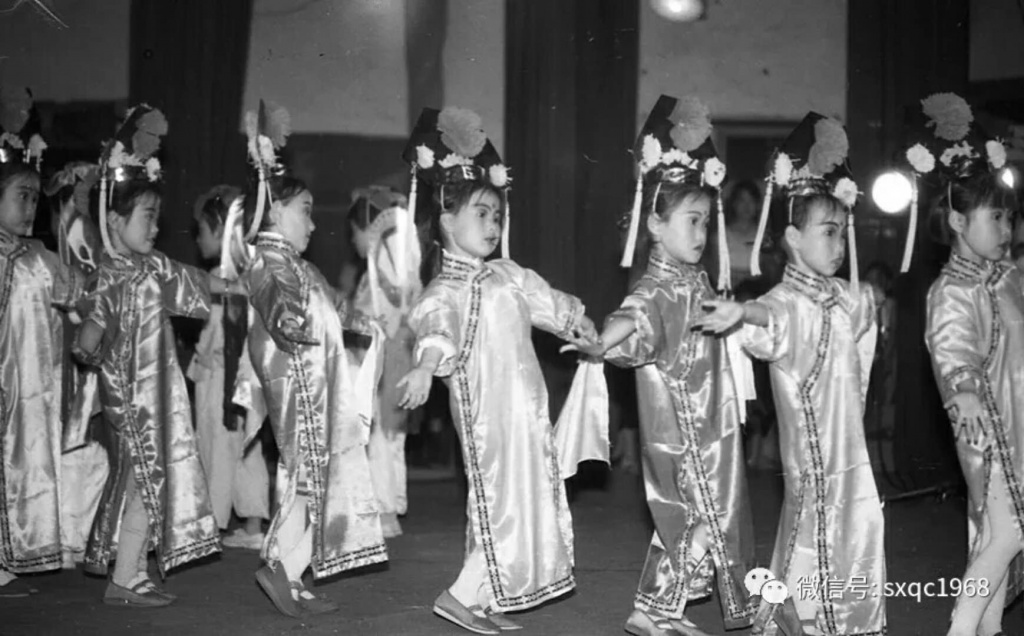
(690, 413)
(818, 334)
(32, 283)
(319, 410)
(84, 464)
(473, 326)
(156, 494)
(236, 473)
(975, 334)
(376, 215)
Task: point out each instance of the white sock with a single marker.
(6, 577)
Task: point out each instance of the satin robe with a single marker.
(829, 550)
(311, 402)
(480, 315)
(390, 421)
(145, 402)
(975, 334)
(692, 446)
(32, 284)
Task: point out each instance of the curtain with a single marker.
(189, 59)
(899, 53)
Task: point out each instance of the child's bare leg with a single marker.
(992, 619)
(253, 525)
(1001, 544)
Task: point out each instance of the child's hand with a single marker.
(589, 349)
(236, 288)
(585, 332)
(969, 419)
(290, 332)
(723, 316)
(417, 388)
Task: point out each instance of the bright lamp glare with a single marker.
(679, 10)
(892, 192)
(1008, 178)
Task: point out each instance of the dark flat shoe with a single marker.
(449, 608)
(139, 595)
(275, 585)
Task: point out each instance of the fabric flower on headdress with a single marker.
(424, 157)
(455, 159)
(962, 149)
(36, 147)
(14, 141)
(846, 191)
(148, 131)
(996, 153)
(651, 152)
(462, 131)
(921, 159)
(830, 147)
(267, 131)
(117, 156)
(499, 175)
(783, 169)
(677, 156)
(949, 114)
(692, 124)
(153, 169)
(714, 172)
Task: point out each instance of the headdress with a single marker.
(19, 128)
(811, 161)
(449, 147)
(130, 155)
(267, 131)
(956, 149)
(674, 146)
(392, 215)
(226, 194)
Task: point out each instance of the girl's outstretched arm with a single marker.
(726, 314)
(617, 330)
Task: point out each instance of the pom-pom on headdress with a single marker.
(130, 155)
(811, 161)
(449, 147)
(267, 131)
(674, 146)
(19, 128)
(956, 149)
(393, 220)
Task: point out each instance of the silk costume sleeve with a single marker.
(643, 345)
(772, 342)
(435, 321)
(186, 289)
(68, 282)
(954, 341)
(275, 292)
(550, 310)
(96, 307)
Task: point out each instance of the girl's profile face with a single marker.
(18, 204)
(209, 240)
(821, 243)
(474, 230)
(137, 232)
(293, 219)
(984, 232)
(683, 231)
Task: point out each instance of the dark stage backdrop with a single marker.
(189, 58)
(899, 53)
(570, 122)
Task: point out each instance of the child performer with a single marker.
(320, 414)
(236, 474)
(818, 334)
(386, 294)
(32, 283)
(690, 417)
(156, 493)
(84, 464)
(473, 326)
(975, 334)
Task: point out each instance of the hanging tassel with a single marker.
(854, 266)
(908, 249)
(724, 261)
(634, 223)
(374, 277)
(261, 202)
(402, 253)
(104, 234)
(505, 226)
(762, 225)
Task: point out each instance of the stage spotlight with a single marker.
(892, 192)
(1007, 176)
(679, 10)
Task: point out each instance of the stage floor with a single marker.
(926, 541)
